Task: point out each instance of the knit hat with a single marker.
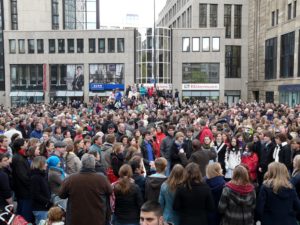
(52, 161)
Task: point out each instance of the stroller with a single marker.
(10, 218)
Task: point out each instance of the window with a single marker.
(55, 15)
(14, 14)
(106, 74)
(29, 76)
(12, 46)
(295, 9)
(21, 46)
(227, 20)
(205, 44)
(277, 16)
(92, 45)
(52, 48)
(196, 44)
(40, 45)
(289, 11)
(111, 45)
(189, 17)
(200, 73)
(269, 97)
(287, 55)
(120, 44)
(215, 44)
(273, 18)
(203, 15)
(185, 44)
(101, 45)
(80, 47)
(30, 46)
(232, 61)
(213, 15)
(61, 45)
(183, 20)
(71, 48)
(237, 21)
(271, 58)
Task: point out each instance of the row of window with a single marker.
(287, 49)
(291, 13)
(173, 11)
(63, 46)
(206, 43)
(200, 73)
(213, 15)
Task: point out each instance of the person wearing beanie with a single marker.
(85, 192)
(56, 174)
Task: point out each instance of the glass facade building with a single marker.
(153, 56)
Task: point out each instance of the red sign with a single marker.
(44, 77)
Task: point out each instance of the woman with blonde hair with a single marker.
(237, 201)
(278, 202)
(215, 180)
(167, 192)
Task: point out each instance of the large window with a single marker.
(28, 76)
(107, 73)
(80, 46)
(12, 46)
(200, 73)
(289, 11)
(196, 44)
(120, 44)
(213, 15)
(237, 21)
(52, 48)
(215, 44)
(101, 45)
(271, 58)
(111, 45)
(14, 14)
(185, 44)
(61, 45)
(287, 55)
(206, 44)
(232, 61)
(55, 15)
(92, 45)
(40, 45)
(227, 20)
(203, 15)
(30, 46)
(71, 46)
(21, 43)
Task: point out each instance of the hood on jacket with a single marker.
(241, 189)
(240, 194)
(216, 183)
(106, 146)
(156, 182)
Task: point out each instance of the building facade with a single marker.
(209, 48)
(274, 72)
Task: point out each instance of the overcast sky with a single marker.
(113, 12)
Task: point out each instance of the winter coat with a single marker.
(36, 134)
(221, 151)
(55, 180)
(216, 186)
(117, 160)
(5, 190)
(73, 163)
(187, 146)
(40, 191)
(21, 176)
(251, 161)
(175, 157)
(237, 204)
(87, 194)
(266, 156)
(140, 181)
(232, 159)
(193, 205)
(127, 206)
(145, 156)
(166, 200)
(165, 147)
(278, 209)
(285, 156)
(105, 154)
(152, 187)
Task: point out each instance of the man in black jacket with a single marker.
(5, 190)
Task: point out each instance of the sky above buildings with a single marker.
(113, 12)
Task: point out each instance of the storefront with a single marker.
(289, 94)
(202, 92)
(20, 98)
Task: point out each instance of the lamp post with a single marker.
(154, 45)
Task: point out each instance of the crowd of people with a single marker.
(151, 159)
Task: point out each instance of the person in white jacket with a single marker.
(232, 158)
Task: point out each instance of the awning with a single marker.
(22, 94)
(78, 93)
(61, 93)
(30, 94)
(26, 94)
(100, 94)
(39, 94)
(13, 94)
(70, 93)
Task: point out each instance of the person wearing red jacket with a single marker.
(157, 140)
(205, 131)
(250, 159)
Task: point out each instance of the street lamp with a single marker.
(154, 46)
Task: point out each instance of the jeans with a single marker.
(40, 215)
(24, 209)
(168, 169)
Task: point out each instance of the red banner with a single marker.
(44, 77)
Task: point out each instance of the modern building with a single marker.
(54, 52)
(274, 66)
(209, 47)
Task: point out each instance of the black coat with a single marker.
(175, 155)
(285, 156)
(266, 156)
(221, 151)
(5, 191)
(193, 205)
(21, 176)
(40, 191)
(187, 146)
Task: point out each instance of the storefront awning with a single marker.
(26, 94)
(100, 94)
(61, 93)
(69, 93)
(13, 94)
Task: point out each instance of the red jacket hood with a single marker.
(241, 189)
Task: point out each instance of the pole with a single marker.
(154, 45)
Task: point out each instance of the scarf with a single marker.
(59, 170)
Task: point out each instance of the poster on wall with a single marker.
(75, 78)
